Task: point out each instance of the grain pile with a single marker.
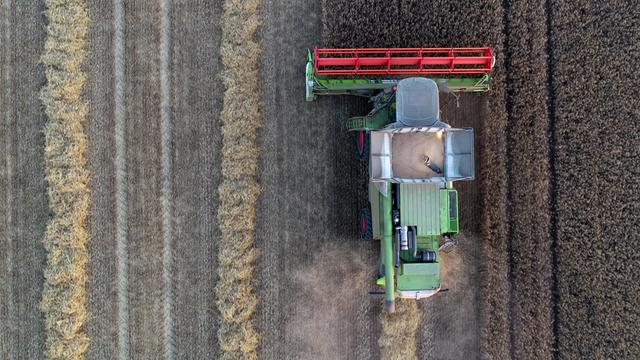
(597, 126)
(64, 299)
(238, 190)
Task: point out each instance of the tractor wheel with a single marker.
(363, 141)
(365, 224)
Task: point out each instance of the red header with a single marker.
(437, 61)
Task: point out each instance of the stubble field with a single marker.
(547, 266)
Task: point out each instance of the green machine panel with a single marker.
(418, 276)
(419, 206)
(449, 211)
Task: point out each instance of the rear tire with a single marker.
(365, 224)
(363, 142)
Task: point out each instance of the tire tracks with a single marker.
(7, 346)
(121, 183)
(167, 179)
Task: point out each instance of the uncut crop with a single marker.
(597, 124)
(528, 176)
(64, 299)
(239, 190)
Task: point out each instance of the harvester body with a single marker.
(414, 156)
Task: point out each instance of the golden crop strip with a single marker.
(399, 330)
(64, 296)
(238, 190)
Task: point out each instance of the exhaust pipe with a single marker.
(390, 306)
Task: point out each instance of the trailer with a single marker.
(414, 156)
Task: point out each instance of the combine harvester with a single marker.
(414, 156)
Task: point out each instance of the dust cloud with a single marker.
(450, 327)
(331, 312)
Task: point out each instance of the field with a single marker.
(183, 105)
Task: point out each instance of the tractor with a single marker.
(414, 156)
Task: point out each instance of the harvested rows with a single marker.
(313, 188)
(596, 127)
(24, 206)
(127, 68)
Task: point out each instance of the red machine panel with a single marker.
(399, 61)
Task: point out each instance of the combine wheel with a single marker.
(365, 224)
(362, 144)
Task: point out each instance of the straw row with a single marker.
(238, 190)
(64, 296)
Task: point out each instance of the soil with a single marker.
(23, 196)
(314, 187)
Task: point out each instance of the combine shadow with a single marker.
(349, 188)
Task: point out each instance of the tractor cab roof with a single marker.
(417, 102)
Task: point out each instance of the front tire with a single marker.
(363, 142)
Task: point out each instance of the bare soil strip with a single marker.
(196, 95)
(23, 196)
(596, 160)
(121, 191)
(143, 137)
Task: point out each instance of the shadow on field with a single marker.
(351, 173)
